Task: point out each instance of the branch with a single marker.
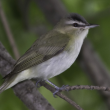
(26, 90)
(52, 89)
(8, 32)
(79, 87)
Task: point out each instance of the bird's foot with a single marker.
(58, 89)
(38, 84)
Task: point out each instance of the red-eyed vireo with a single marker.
(52, 53)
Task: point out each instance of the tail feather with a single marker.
(10, 81)
(4, 85)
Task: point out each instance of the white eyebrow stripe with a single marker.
(71, 22)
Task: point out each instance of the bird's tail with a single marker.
(4, 85)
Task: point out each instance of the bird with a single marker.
(51, 54)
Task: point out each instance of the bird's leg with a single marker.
(38, 83)
(56, 87)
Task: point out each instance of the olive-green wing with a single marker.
(43, 49)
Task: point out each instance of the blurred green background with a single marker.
(96, 12)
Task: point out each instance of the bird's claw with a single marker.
(38, 84)
(58, 89)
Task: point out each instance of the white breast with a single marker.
(59, 63)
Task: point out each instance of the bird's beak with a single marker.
(91, 26)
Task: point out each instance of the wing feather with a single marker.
(43, 49)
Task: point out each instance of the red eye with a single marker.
(75, 24)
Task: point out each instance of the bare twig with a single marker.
(79, 87)
(8, 32)
(52, 89)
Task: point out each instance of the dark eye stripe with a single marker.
(77, 25)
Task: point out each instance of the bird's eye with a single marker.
(75, 24)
